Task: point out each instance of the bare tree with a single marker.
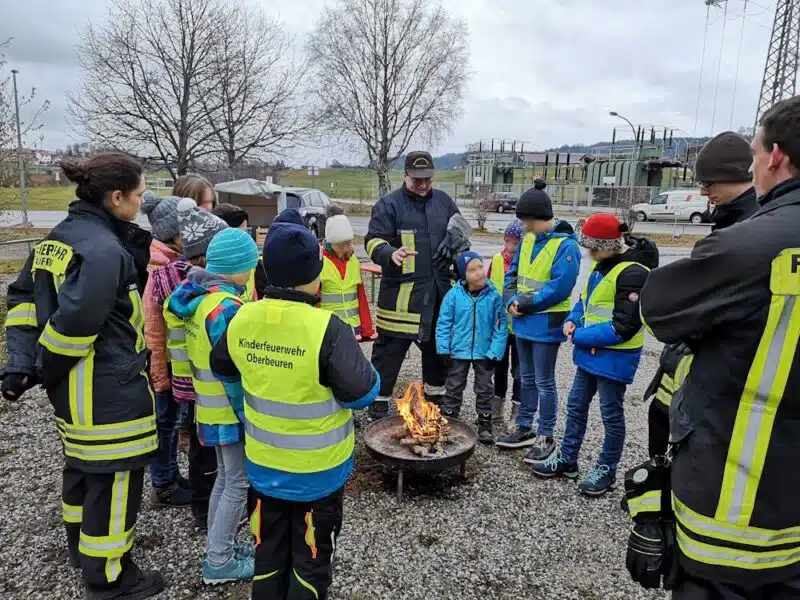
(256, 107)
(388, 73)
(30, 113)
(145, 73)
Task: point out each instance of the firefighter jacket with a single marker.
(410, 294)
(736, 301)
(303, 374)
(75, 318)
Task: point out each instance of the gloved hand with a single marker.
(671, 567)
(16, 384)
(456, 240)
(672, 356)
(645, 556)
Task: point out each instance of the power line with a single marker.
(738, 59)
(719, 68)
(702, 65)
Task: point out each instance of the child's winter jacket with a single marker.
(472, 327)
(155, 329)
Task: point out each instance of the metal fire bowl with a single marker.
(388, 452)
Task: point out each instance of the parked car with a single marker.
(503, 202)
(311, 204)
(672, 205)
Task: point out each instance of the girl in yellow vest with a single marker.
(537, 293)
(606, 330)
(207, 302)
(341, 290)
(501, 262)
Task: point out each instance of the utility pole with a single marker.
(23, 191)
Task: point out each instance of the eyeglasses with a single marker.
(706, 186)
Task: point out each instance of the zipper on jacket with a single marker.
(474, 324)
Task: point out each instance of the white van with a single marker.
(681, 205)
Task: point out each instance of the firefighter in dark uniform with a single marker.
(75, 325)
(735, 422)
(405, 231)
(723, 170)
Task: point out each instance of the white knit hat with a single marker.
(338, 230)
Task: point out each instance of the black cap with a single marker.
(419, 165)
(535, 204)
(725, 158)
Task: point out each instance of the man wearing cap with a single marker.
(722, 169)
(303, 374)
(405, 231)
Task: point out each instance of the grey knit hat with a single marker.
(162, 212)
(725, 158)
(196, 228)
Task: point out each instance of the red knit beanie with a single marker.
(603, 231)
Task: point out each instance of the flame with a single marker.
(423, 419)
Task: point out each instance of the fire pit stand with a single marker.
(387, 451)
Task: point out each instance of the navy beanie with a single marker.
(290, 215)
(292, 255)
(463, 261)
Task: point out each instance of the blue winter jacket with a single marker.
(472, 327)
(591, 352)
(535, 325)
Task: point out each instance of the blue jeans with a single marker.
(164, 468)
(580, 397)
(537, 373)
(228, 502)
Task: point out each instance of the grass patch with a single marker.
(3, 312)
(666, 239)
(8, 234)
(11, 267)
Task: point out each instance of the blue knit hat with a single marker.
(463, 260)
(292, 255)
(290, 215)
(231, 251)
(514, 229)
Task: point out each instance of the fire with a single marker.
(423, 419)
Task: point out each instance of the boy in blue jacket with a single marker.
(472, 330)
(606, 329)
(538, 289)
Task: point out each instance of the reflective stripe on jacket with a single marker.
(212, 406)
(669, 384)
(293, 424)
(340, 295)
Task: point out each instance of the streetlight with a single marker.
(614, 113)
(23, 192)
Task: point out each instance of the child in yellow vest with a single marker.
(207, 301)
(341, 289)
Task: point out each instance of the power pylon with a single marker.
(783, 57)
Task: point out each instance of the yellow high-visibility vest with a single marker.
(499, 275)
(532, 275)
(340, 296)
(292, 422)
(599, 307)
(211, 401)
(177, 354)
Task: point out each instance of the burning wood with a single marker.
(424, 428)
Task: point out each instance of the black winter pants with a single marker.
(295, 544)
(105, 507)
(657, 428)
(202, 471)
(388, 354)
(457, 381)
(501, 371)
(699, 589)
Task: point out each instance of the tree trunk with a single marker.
(384, 183)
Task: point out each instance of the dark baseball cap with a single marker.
(419, 165)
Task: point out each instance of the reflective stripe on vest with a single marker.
(532, 275)
(339, 295)
(669, 385)
(599, 306)
(730, 538)
(498, 276)
(212, 404)
(177, 354)
(292, 423)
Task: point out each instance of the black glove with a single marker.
(672, 356)
(16, 384)
(671, 567)
(645, 557)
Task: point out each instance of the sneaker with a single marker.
(135, 585)
(599, 481)
(237, 568)
(244, 549)
(556, 466)
(171, 496)
(449, 413)
(541, 450)
(485, 435)
(519, 438)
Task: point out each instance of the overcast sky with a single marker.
(544, 71)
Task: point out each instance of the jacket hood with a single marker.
(161, 254)
(641, 250)
(738, 209)
(198, 284)
(562, 229)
